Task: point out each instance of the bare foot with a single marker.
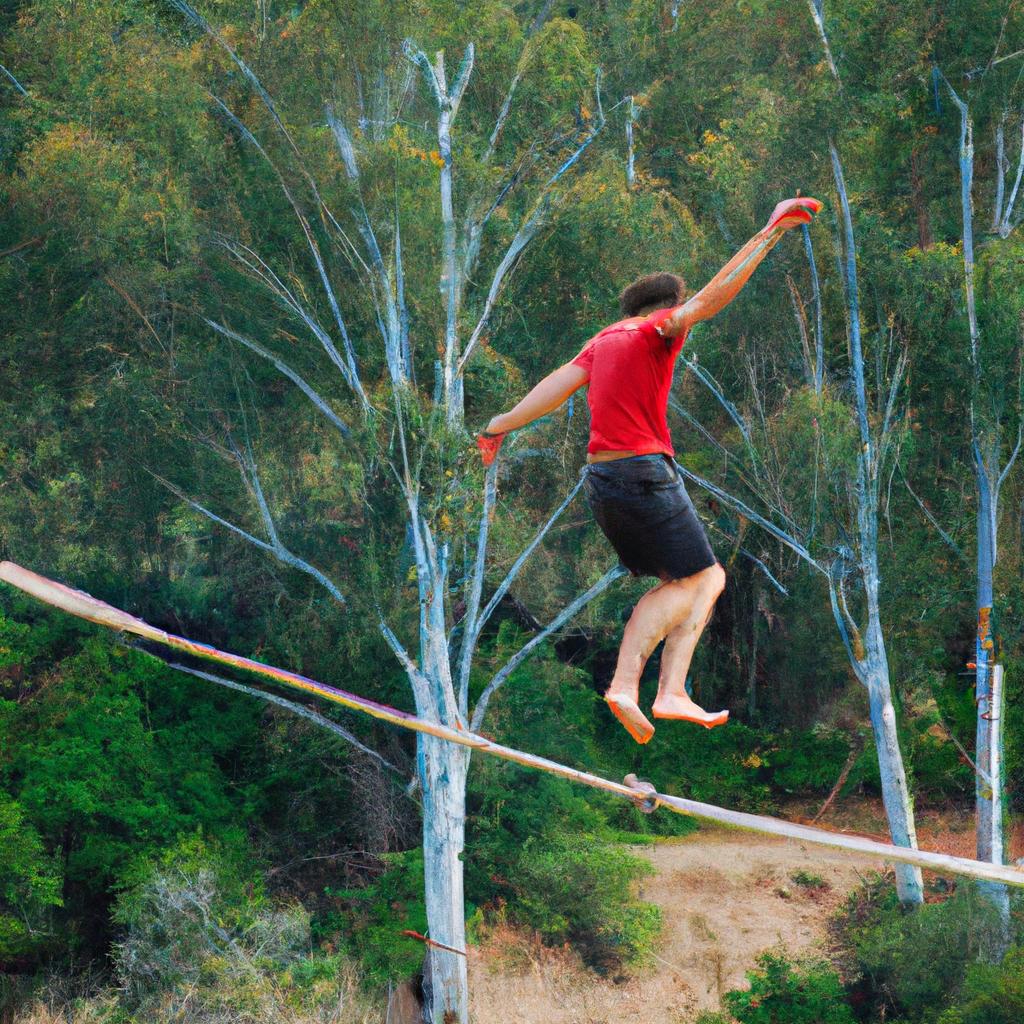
(682, 709)
(628, 712)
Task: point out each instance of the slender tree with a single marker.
(423, 428)
(992, 466)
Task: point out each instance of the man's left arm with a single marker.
(729, 281)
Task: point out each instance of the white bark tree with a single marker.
(420, 427)
(992, 465)
(855, 557)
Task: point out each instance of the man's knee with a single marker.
(715, 577)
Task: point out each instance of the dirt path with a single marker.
(725, 897)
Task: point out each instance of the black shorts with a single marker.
(642, 507)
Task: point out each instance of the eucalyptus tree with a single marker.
(995, 408)
(494, 196)
(772, 482)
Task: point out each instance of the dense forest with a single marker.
(264, 271)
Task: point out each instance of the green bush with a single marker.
(991, 994)
(368, 922)
(199, 913)
(786, 992)
(808, 762)
(911, 963)
(583, 891)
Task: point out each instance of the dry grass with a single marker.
(718, 893)
(338, 1001)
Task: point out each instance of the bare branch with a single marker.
(278, 550)
(997, 206)
(853, 303)
(17, 85)
(841, 625)
(461, 79)
(348, 367)
(296, 709)
(630, 119)
(764, 568)
(391, 332)
(419, 684)
(287, 371)
(513, 572)
(745, 510)
(819, 334)
(470, 629)
(529, 228)
(524, 652)
(818, 16)
(950, 543)
(1007, 223)
(417, 56)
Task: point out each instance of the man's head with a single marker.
(654, 291)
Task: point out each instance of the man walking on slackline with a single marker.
(632, 482)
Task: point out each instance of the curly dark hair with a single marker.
(652, 290)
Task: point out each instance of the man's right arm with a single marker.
(548, 395)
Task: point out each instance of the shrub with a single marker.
(912, 962)
(581, 890)
(786, 992)
(991, 994)
(196, 915)
(368, 922)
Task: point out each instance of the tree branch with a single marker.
(296, 709)
(287, 371)
(278, 550)
(348, 367)
(17, 85)
(529, 228)
(470, 630)
(524, 652)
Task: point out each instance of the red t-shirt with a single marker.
(630, 366)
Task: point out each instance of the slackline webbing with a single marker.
(83, 605)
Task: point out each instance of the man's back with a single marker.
(630, 367)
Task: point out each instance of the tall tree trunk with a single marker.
(988, 695)
(442, 772)
(895, 793)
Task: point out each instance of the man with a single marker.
(633, 484)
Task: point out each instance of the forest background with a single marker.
(164, 252)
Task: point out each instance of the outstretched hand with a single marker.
(791, 213)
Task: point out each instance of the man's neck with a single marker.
(648, 310)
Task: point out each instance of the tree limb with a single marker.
(287, 371)
(524, 652)
(296, 709)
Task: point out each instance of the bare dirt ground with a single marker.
(725, 897)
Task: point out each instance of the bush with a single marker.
(198, 914)
(203, 944)
(912, 962)
(785, 992)
(581, 890)
(368, 922)
(991, 994)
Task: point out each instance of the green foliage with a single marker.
(369, 921)
(29, 884)
(992, 993)
(582, 891)
(197, 921)
(807, 879)
(912, 962)
(786, 992)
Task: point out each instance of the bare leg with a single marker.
(656, 614)
(672, 700)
